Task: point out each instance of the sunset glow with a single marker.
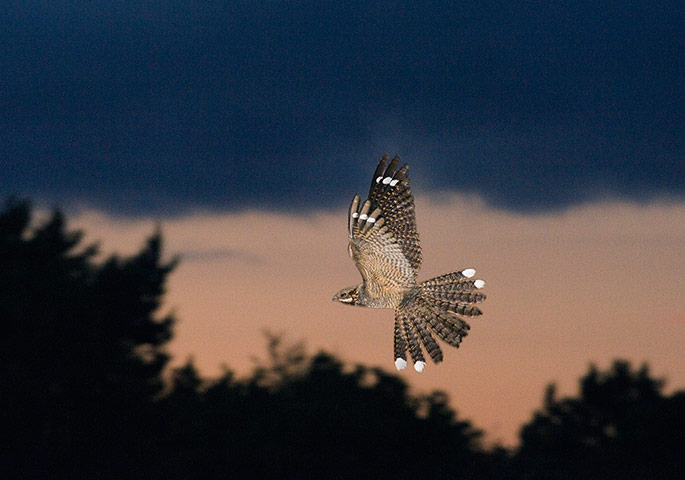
(590, 284)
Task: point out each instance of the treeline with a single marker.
(84, 395)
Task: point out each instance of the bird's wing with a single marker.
(383, 241)
(390, 193)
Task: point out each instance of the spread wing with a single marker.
(383, 241)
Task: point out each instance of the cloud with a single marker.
(217, 254)
(167, 108)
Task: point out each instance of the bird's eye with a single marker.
(343, 295)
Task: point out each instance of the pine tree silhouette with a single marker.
(82, 348)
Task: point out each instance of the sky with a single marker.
(589, 285)
(545, 141)
(164, 106)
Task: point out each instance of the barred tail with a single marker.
(438, 308)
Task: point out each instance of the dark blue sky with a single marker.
(158, 107)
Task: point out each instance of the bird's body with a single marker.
(384, 245)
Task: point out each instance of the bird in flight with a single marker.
(384, 245)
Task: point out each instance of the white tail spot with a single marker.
(363, 216)
(394, 182)
(355, 214)
(479, 283)
(378, 180)
(371, 220)
(387, 180)
(418, 366)
(400, 363)
(469, 272)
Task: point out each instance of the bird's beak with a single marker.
(334, 299)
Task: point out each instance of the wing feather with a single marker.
(379, 257)
(390, 193)
(384, 243)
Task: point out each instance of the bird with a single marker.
(384, 244)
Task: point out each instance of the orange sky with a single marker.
(566, 289)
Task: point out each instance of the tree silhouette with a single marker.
(620, 426)
(82, 348)
(301, 416)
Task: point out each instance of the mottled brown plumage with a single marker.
(384, 245)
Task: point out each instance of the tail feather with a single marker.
(445, 333)
(412, 341)
(428, 341)
(461, 308)
(453, 291)
(445, 324)
(437, 309)
(400, 344)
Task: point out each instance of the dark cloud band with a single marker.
(234, 104)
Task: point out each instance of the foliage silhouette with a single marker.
(308, 417)
(82, 348)
(83, 359)
(620, 426)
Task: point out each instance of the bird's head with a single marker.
(349, 295)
